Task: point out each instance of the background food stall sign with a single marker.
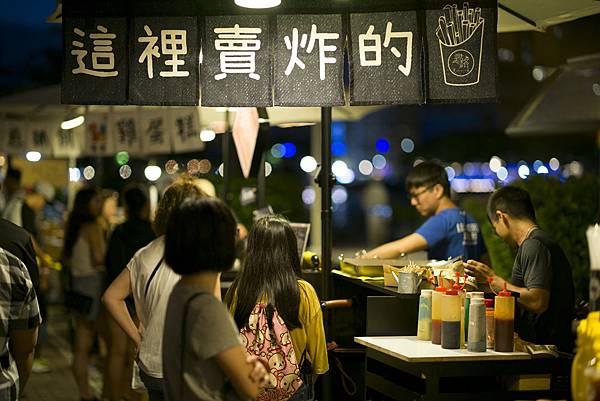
(14, 138)
(39, 136)
(95, 61)
(97, 135)
(184, 127)
(461, 42)
(125, 129)
(236, 61)
(155, 134)
(309, 60)
(163, 61)
(385, 59)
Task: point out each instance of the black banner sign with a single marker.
(164, 61)
(309, 61)
(236, 66)
(385, 59)
(95, 61)
(461, 40)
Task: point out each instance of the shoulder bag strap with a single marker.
(181, 357)
(152, 276)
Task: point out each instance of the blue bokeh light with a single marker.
(290, 150)
(382, 145)
(338, 149)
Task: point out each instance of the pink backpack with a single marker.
(274, 347)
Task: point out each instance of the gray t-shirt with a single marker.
(190, 370)
(541, 263)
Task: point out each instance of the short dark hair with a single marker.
(136, 201)
(200, 236)
(512, 200)
(428, 174)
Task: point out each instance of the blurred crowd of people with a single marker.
(144, 292)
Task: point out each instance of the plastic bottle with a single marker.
(424, 323)
(504, 321)
(436, 312)
(477, 328)
(451, 320)
(489, 323)
(587, 330)
(468, 297)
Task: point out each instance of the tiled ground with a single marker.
(59, 384)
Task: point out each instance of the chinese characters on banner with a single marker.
(164, 61)
(236, 61)
(155, 132)
(67, 143)
(184, 126)
(285, 60)
(385, 59)
(40, 134)
(14, 136)
(124, 128)
(461, 38)
(95, 61)
(309, 60)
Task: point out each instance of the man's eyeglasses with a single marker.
(416, 195)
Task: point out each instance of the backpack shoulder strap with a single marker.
(152, 276)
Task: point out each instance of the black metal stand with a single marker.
(325, 183)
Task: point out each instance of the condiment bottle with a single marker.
(451, 320)
(468, 297)
(436, 312)
(424, 323)
(459, 288)
(504, 318)
(477, 328)
(489, 323)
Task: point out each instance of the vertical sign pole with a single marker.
(326, 228)
(225, 150)
(260, 184)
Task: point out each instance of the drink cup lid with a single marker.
(451, 292)
(426, 293)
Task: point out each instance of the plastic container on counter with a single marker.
(489, 323)
(468, 297)
(477, 328)
(436, 312)
(424, 323)
(451, 333)
(504, 321)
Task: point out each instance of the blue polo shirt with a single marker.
(451, 233)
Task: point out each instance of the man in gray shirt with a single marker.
(541, 272)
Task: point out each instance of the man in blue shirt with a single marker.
(448, 232)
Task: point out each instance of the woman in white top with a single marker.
(83, 253)
(150, 281)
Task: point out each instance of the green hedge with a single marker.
(563, 209)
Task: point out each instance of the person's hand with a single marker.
(259, 373)
(483, 273)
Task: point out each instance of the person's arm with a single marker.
(114, 300)
(535, 300)
(96, 238)
(411, 243)
(240, 370)
(316, 344)
(22, 347)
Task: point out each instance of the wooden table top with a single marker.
(409, 349)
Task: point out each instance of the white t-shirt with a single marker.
(151, 307)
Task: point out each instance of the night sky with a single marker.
(31, 13)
